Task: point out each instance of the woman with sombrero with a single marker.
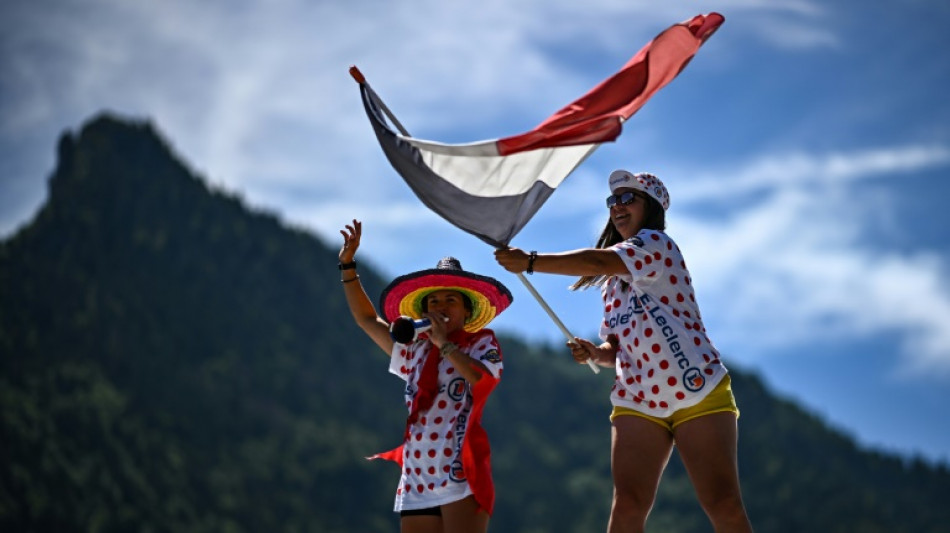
(446, 483)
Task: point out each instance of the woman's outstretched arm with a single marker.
(360, 305)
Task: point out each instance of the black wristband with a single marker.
(531, 257)
(347, 266)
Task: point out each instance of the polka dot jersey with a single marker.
(665, 360)
(432, 472)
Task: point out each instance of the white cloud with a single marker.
(802, 170)
(791, 267)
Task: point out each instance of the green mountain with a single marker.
(171, 360)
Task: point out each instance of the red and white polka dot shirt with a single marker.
(665, 360)
(432, 473)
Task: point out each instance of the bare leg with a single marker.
(640, 450)
(463, 516)
(420, 524)
(708, 447)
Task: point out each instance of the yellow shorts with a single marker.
(719, 400)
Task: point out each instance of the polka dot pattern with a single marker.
(643, 181)
(666, 361)
(432, 472)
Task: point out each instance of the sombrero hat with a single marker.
(405, 295)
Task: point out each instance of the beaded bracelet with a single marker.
(448, 347)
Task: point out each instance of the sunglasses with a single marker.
(625, 198)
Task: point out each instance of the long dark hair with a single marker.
(655, 219)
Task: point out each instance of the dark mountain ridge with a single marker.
(171, 360)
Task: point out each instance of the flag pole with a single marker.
(570, 338)
(358, 76)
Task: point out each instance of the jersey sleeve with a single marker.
(401, 358)
(647, 255)
(486, 350)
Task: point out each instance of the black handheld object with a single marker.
(405, 330)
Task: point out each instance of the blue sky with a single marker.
(806, 149)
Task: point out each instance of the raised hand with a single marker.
(351, 241)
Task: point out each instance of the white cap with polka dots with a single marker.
(642, 181)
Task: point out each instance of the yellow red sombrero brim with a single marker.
(404, 296)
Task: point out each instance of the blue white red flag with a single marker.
(492, 188)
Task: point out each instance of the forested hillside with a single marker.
(171, 360)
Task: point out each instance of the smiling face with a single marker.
(451, 304)
(629, 217)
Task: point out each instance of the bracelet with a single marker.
(347, 266)
(351, 279)
(447, 348)
(531, 257)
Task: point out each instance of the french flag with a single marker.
(492, 188)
